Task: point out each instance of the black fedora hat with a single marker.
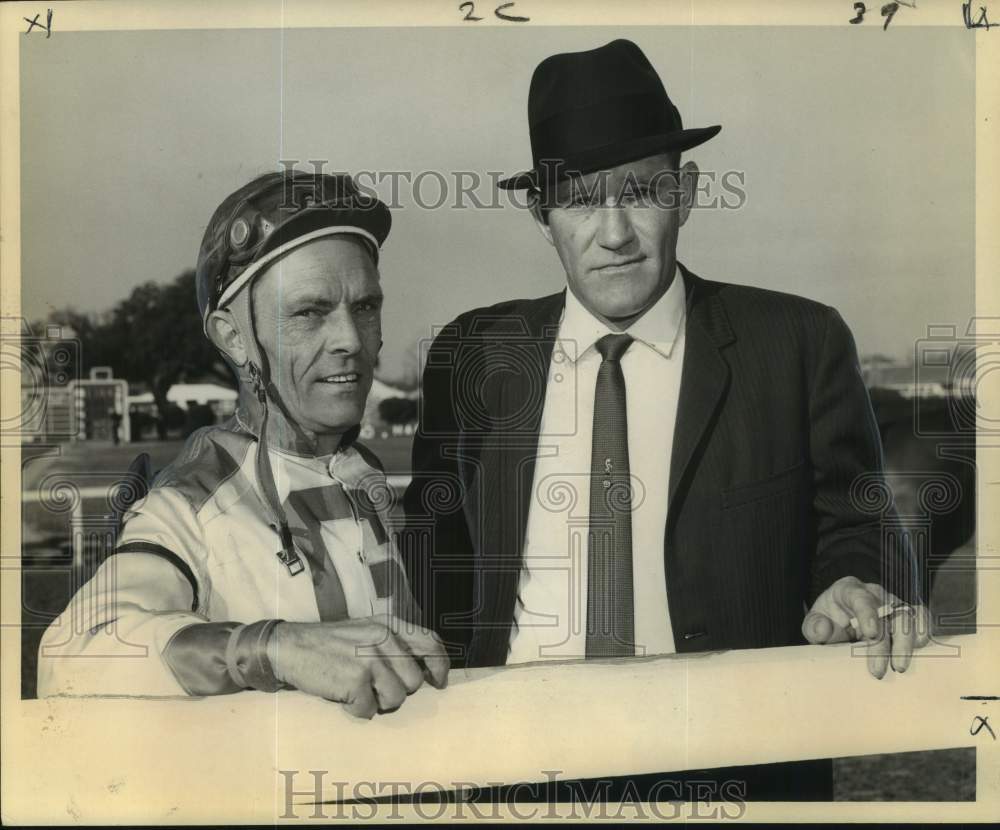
(597, 109)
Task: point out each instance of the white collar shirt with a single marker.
(551, 612)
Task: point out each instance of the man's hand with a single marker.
(370, 665)
(891, 639)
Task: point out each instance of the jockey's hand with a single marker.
(370, 665)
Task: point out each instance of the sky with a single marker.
(857, 148)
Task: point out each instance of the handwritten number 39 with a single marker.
(498, 11)
(887, 11)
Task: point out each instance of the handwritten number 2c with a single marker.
(858, 7)
(498, 11)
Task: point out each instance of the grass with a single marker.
(78, 459)
(941, 775)
(101, 465)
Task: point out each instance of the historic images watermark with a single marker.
(313, 794)
(479, 189)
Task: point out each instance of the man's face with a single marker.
(318, 312)
(616, 234)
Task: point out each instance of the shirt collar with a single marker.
(658, 328)
(347, 466)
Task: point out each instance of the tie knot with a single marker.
(613, 346)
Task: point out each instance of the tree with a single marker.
(159, 334)
(152, 337)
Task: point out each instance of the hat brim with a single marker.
(602, 158)
(370, 223)
(373, 217)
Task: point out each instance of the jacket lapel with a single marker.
(704, 377)
(518, 361)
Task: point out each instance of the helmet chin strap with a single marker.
(259, 372)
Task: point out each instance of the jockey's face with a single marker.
(318, 313)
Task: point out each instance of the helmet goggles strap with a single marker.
(257, 367)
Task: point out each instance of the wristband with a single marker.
(246, 656)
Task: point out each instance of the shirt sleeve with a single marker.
(138, 626)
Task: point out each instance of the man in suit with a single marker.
(647, 462)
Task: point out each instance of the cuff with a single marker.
(246, 656)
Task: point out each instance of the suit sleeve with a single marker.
(435, 543)
(138, 626)
(846, 450)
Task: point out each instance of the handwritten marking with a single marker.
(979, 723)
(470, 15)
(513, 18)
(980, 697)
(888, 12)
(982, 23)
(46, 26)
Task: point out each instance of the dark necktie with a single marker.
(610, 608)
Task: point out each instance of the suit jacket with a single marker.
(775, 487)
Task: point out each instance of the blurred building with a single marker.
(907, 380)
(374, 423)
(221, 399)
